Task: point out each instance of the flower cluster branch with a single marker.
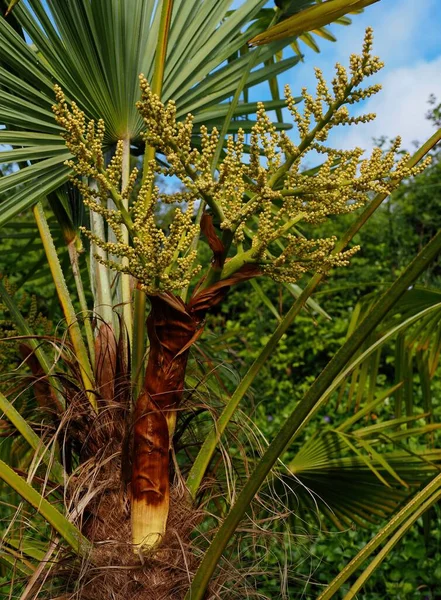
(259, 193)
(159, 260)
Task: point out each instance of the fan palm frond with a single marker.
(95, 52)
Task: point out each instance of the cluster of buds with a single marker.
(259, 192)
(159, 260)
(301, 255)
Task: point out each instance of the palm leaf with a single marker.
(65, 528)
(32, 438)
(345, 474)
(15, 562)
(417, 345)
(11, 5)
(96, 51)
(310, 19)
(396, 528)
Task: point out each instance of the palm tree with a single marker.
(113, 467)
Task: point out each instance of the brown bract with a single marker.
(215, 243)
(106, 349)
(172, 329)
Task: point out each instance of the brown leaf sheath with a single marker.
(44, 394)
(171, 330)
(215, 243)
(105, 361)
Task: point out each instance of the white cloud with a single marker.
(406, 37)
(401, 107)
(404, 30)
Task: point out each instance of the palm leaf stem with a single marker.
(126, 295)
(66, 303)
(75, 263)
(419, 512)
(100, 272)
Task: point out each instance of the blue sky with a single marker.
(408, 39)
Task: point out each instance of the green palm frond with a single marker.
(59, 522)
(95, 52)
(309, 18)
(363, 474)
(11, 5)
(388, 536)
(32, 438)
(357, 478)
(416, 351)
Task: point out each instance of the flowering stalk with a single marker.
(208, 448)
(249, 225)
(138, 346)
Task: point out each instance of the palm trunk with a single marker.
(172, 328)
